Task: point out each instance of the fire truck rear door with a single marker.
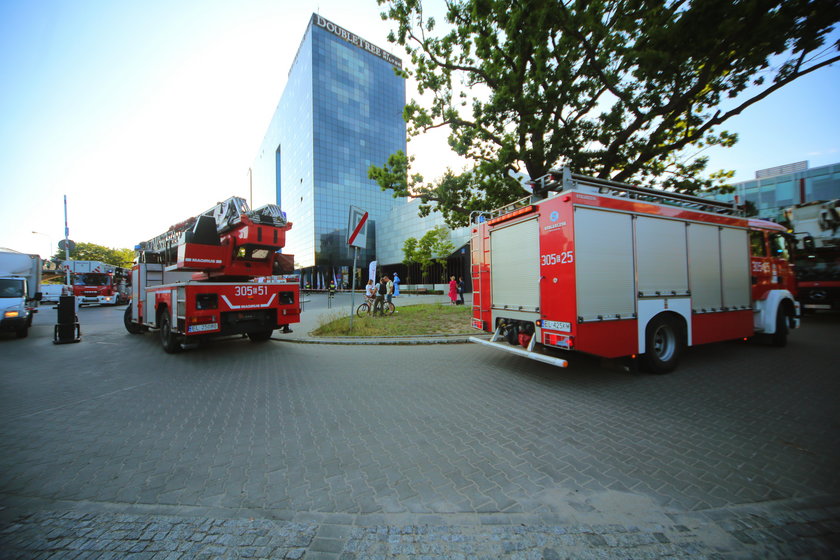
(604, 265)
(515, 265)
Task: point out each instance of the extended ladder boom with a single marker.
(227, 215)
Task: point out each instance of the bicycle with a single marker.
(370, 306)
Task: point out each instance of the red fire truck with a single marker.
(97, 282)
(615, 270)
(816, 226)
(196, 280)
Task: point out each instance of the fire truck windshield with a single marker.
(91, 279)
(818, 265)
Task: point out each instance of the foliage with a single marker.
(93, 252)
(421, 319)
(409, 249)
(619, 89)
(433, 246)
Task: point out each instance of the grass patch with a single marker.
(410, 320)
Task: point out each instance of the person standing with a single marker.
(453, 289)
(381, 291)
(389, 294)
(370, 290)
(460, 290)
(396, 284)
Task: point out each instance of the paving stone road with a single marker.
(112, 448)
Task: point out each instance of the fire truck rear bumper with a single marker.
(521, 352)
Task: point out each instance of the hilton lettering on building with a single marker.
(355, 40)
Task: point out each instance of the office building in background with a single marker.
(340, 112)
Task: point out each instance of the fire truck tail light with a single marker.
(202, 319)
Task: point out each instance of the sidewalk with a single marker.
(316, 312)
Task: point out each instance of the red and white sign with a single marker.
(357, 227)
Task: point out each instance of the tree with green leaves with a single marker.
(409, 250)
(434, 246)
(629, 90)
(93, 252)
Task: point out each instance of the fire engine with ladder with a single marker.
(197, 280)
(816, 226)
(614, 270)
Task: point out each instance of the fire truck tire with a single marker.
(779, 338)
(22, 332)
(260, 336)
(131, 327)
(168, 339)
(664, 343)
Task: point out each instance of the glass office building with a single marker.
(340, 113)
(781, 187)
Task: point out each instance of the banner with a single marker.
(372, 272)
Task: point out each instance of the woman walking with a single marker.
(453, 289)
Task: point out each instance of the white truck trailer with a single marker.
(20, 283)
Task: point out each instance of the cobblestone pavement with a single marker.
(322, 451)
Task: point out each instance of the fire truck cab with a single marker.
(95, 282)
(615, 270)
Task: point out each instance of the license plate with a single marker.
(817, 306)
(561, 326)
(203, 328)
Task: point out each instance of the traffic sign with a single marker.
(357, 228)
(71, 245)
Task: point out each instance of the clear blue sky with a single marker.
(145, 113)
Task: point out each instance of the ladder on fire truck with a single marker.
(222, 217)
(560, 180)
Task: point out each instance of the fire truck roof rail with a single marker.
(563, 179)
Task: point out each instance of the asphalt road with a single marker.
(327, 451)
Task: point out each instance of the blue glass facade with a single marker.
(771, 195)
(341, 111)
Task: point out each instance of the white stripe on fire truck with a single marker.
(268, 304)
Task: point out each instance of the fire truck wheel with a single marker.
(131, 327)
(168, 339)
(779, 338)
(260, 336)
(663, 342)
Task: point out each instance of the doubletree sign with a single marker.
(70, 245)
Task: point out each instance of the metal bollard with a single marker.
(67, 328)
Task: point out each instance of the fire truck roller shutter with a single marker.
(661, 257)
(604, 270)
(704, 268)
(515, 262)
(735, 268)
